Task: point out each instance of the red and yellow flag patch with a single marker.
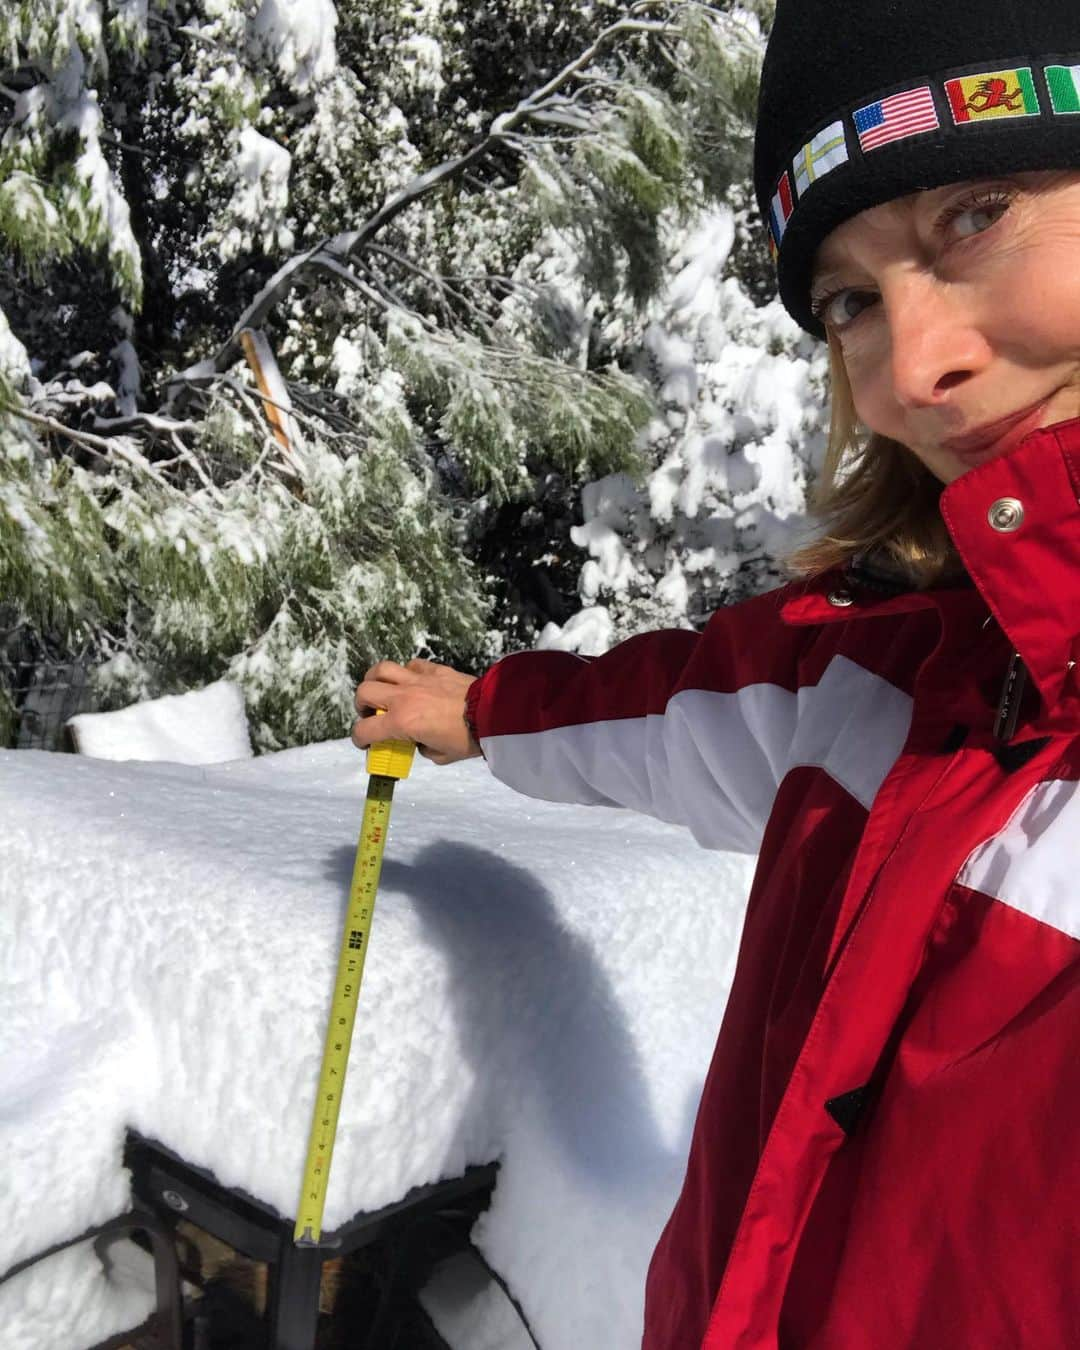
(993, 93)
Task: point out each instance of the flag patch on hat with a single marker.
(993, 94)
(896, 118)
(827, 151)
(1064, 86)
(782, 206)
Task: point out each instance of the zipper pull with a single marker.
(1012, 694)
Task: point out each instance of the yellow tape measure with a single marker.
(386, 763)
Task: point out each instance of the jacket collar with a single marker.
(1028, 575)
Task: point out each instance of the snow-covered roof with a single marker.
(544, 987)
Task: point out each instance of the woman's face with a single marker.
(957, 310)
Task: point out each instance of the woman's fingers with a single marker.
(385, 677)
(424, 702)
(369, 730)
(388, 672)
(372, 694)
(436, 756)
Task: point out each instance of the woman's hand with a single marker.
(424, 702)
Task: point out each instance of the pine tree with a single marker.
(737, 442)
(439, 216)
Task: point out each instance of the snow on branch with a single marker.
(459, 361)
(547, 104)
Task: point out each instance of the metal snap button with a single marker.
(1006, 515)
(841, 599)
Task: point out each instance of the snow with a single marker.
(544, 987)
(470, 1310)
(347, 365)
(422, 62)
(97, 193)
(37, 1311)
(261, 194)
(588, 633)
(607, 505)
(739, 434)
(298, 35)
(23, 199)
(131, 15)
(204, 726)
(14, 362)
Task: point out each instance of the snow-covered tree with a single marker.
(736, 442)
(448, 221)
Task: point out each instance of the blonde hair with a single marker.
(873, 494)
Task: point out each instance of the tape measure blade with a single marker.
(342, 1018)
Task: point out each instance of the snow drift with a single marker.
(544, 987)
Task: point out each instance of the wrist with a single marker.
(472, 700)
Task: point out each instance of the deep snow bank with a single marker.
(544, 986)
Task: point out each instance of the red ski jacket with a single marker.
(887, 1150)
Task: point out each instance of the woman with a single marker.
(885, 1154)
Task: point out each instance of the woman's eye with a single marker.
(976, 219)
(840, 309)
(971, 216)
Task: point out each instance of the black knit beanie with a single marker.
(862, 102)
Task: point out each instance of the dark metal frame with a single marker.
(170, 1189)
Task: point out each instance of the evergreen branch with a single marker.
(327, 253)
(500, 131)
(286, 462)
(206, 380)
(436, 279)
(561, 117)
(126, 146)
(390, 295)
(230, 382)
(163, 426)
(140, 421)
(185, 456)
(185, 30)
(96, 444)
(313, 422)
(316, 419)
(379, 294)
(533, 102)
(387, 299)
(106, 450)
(280, 284)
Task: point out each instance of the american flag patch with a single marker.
(896, 118)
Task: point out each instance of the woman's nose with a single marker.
(936, 341)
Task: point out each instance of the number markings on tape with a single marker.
(354, 945)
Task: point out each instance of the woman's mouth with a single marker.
(997, 438)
